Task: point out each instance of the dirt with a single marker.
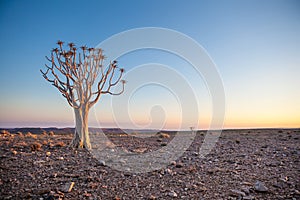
(244, 164)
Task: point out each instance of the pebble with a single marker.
(172, 194)
(237, 193)
(179, 165)
(173, 163)
(168, 171)
(249, 198)
(152, 197)
(245, 190)
(260, 187)
(102, 163)
(68, 187)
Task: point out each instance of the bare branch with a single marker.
(74, 72)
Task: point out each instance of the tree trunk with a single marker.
(81, 137)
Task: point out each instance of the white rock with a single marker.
(172, 194)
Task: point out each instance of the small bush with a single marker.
(163, 135)
(45, 142)
(20, 134)
(5, 132)
(60, 144)
(28, 134)
(51, 133)
(35, 146)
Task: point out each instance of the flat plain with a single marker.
(244, 164)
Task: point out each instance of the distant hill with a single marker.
(69, 130)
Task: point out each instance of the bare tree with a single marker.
(81, 78)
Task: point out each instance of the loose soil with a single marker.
(42, 166)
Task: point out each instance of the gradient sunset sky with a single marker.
(254, 44)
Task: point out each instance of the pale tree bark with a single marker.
(74, 74)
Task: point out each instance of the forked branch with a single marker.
(74, 72)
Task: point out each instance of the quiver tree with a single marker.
(81, 78)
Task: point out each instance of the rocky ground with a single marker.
(244, 164)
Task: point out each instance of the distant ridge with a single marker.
(69, 130)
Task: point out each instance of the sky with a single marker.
(254, 44)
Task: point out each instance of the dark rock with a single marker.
(260, 187)
(68, 187)
(237, 193)
(179, 165)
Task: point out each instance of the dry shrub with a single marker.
(44, 133)
(45, 142)
(51, 133)
(20, 134)
(5, 132)
(60, 144)
(28, 134)
(20, 144)
(163, 135)
(35, 146)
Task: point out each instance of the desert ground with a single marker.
(244, 164)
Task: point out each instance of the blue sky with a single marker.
(255, 45)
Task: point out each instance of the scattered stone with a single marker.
(260, 187)
(237, 193)
(246, 190)
(247, 183)
(172, 194)
(24, 175)
(152, 197)
(248, 198)
(179, 164)
(102, 163)
(140, 150)
(163, 144)
(68, 187)
(173, 163)
(168, 171)
(42, 191)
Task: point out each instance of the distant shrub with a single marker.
(19, 133)
(60, 144)
(28, 134)
(51, 133)
(5, 132)
(45, 142)
(163, 135)
(35, 146)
